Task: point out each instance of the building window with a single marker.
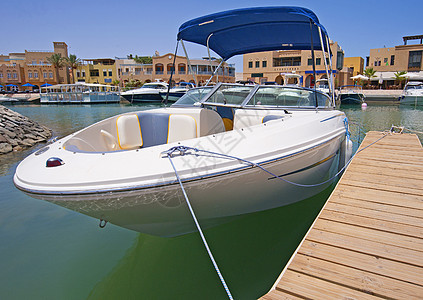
(29, 74)
(15, 75)
(110, 73)
(83, 73)
(385, 61)
(44, 74)
(94, 73)
(9, 75)
(415, 59)
(50, 74)
(78, 73)
(309, 62)
(257, 64)
(34, 62)
(250, 64)
(35, 74)
(104, 73)
(287, 61)
(318, 61)
(1, 75)
(392, 60)
(264, 63)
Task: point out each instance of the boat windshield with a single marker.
(153, 86)
(414, 87)
(267, 95)
(192, 96)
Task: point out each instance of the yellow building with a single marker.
(356, 64)
(99, 70)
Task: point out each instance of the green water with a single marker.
(48, 252)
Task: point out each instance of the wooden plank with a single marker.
(384, 165)
(365, 262)
(371, 234)
(276, 295)
(314, 288)
(370, 247)
(365, 193)
(382, 186)
(391, 170)
(374, 215)
(355, 279)
(377, 206)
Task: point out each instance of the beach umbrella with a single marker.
(46, 84)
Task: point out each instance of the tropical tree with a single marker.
(369, 73)
(57, 61)
(399, 77)
(73, 63)
(116, 82)
(142, 59)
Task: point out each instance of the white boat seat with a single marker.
(181, 127)
(129, 132)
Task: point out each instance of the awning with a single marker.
(257, 29)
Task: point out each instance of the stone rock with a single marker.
(5, 148)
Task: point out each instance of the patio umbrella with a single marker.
(28, 84)
(46, 84)
(359, 76)
(11, 85)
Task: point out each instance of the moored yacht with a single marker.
(176, 92)
(412, 94)
(236, 149)
(149, 92)
(351, 94)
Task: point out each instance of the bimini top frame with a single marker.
(248, 30)
(257, 29)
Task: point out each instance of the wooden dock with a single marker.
(367, 241)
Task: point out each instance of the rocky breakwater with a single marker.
(18, 132)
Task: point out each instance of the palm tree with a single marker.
(57, 62)
(369, 73)
(399, 77)
(73, 63)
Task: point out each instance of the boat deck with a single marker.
(367, 241)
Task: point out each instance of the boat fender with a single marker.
(103, 223)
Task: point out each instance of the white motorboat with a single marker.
(412, 94)
(176, 92)
(323, 85)
(149, 92)
(351, 94)
(237, 149)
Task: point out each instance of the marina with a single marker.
(298, 177)
(367, 240)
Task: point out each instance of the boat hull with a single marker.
(162, 210)
(412, 100)
(143, 97)
(350, 99)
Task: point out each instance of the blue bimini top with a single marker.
(247, 30)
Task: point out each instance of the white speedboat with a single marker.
(176, 92)
(351, 94)
(149, 92)
(412, 94)
(237, 149)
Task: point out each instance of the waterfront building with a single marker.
(32, 67)
(273, 65)
(402, 58)
(356, 64)
(161, 68)
(98, 70)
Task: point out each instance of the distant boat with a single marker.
(177, 91)
(412, 94)
(323, 85)
(351, 94)
(149, 92)
(79, 92)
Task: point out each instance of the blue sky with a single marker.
(101, 29)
